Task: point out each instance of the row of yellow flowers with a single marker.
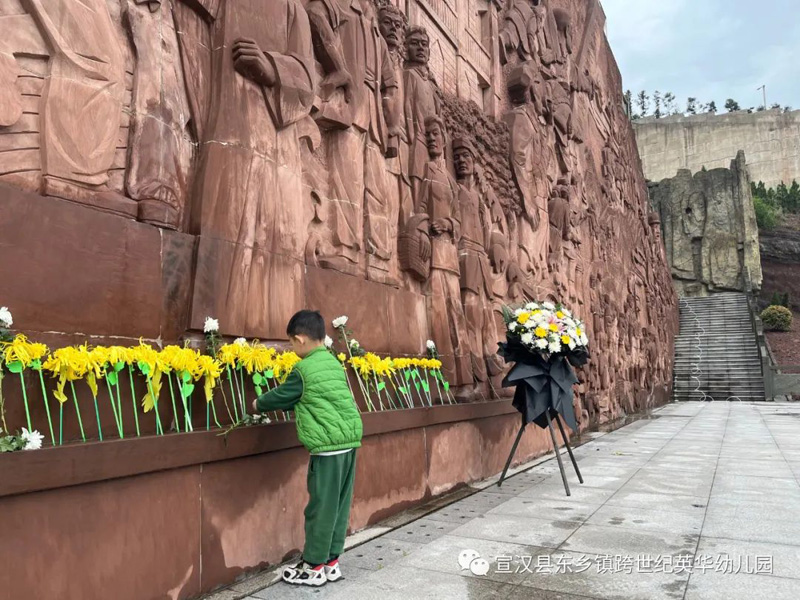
(384, 382)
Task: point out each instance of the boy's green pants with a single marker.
(330, 490)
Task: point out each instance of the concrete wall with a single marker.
(771, 141)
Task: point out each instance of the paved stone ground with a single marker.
(710, 488)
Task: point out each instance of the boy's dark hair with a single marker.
(307, 322)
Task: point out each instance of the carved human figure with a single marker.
(351, 49)
(251, 226)
(559, 213)
(529, 29)
(476, 273)
(82, 100)
(421, 102)
(438, 198)
(161, 148)
(527, 149)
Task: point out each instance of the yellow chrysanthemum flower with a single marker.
(565, 339)
(560, 314)
(523, 318)
(553, 327)
(341, 356)
(22, 351)
(540, 332)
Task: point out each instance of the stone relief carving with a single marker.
(301, 134)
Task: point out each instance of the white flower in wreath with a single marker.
(240, 342)
(430, 345)
(513, 326)
(584, 340)
(33, 439)
(531, 306)
(328, 342)
(354, 343)
(211, 325)
(527, 338)
(549, 306)
(5, 317)
(541, 344)
(572, 344)
(339, 322)
(554, 347)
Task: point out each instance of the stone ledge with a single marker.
(80, 464)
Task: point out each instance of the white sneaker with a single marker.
(304, 574)
(333, 572)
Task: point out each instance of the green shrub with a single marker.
(767, 216)
(777, 318)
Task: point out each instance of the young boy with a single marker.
(329, 426)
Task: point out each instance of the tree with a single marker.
(732, 105)
(657, 103)
(691, 106)
(775, 106)
(643, 102)
(670, 105)
(629, 105)
(711, 107)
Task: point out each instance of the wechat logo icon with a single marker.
(470, 560)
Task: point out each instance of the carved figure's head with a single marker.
(418, 46)
(463, 158)
(435, 136)
(392, 22)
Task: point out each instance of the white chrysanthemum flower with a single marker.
(328, 341)
(354, 343)
(33, 439)
(541, 344)
(527, 338)
(584, 340)
(430, 345)
(240, 342)
(339, 322)
(548, 305)
(211, 325)
(513, 326)
(518, 312)
(554, 348)
(5, 317)
(572, 344)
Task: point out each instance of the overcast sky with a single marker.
(710, 49)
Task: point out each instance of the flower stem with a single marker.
(241, 383)
(60, 423)
(186, 412)
(25, 400)
(133, 401)
(233, 393)
(159, 426)
(77, 410)
(214, 413)
(97, 414)
(114, 409)
(174, 406)
(47, 407)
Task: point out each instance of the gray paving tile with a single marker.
(653, 501)
(224, 595)
(601, 539)
(719, 586)
(649, 520)
(545, 508)
(422, 531)
(404, 583)
(587, 575)
(253, 584)
(776, 531)
(784, 559)
(580, 493)
(518, 530)
(442, 556)
(379, 553)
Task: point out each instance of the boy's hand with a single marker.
(255, 406)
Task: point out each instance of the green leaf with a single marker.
(186, 376)
(446, 386)
(403, 389)
(381, 386)
(415, 373)
(36, 365)
(426, 386)
(408, 375)
(119, 366)
(112, 378)
(144, 367)
(258, 379)
(187, 389)
(416, 385)
(269, 375)
(15, 367)
(259, 390)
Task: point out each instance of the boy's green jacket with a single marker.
(326, 414)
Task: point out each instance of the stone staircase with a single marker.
(716, 354)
